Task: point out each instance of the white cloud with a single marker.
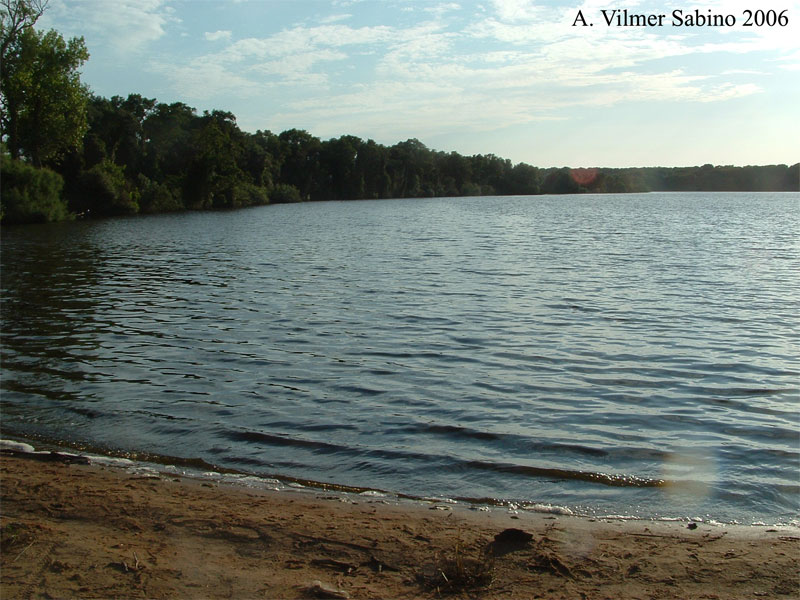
(202, 80)
(124, 25)
(522, 64)
(516, 10)
(304, 39)
(441, 9)
(728, 91)
(789, 62)
(292, 69)
(335, 18)
(217, 36)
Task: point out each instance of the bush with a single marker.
(157, 197)
(284, 193)
(247, 194)
(30, 195)
(470, 189)
(103, 190)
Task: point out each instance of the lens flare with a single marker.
(584, 177)
(690, 475)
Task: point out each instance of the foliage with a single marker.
(140, 155)
(157, 197)
(15, 16)
(30, 195)
(43, 100)
(300, 162)
(284, 193)
(127, 155)
(104, 191)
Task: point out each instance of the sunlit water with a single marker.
(635, 355)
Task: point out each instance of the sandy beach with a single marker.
(90, 531)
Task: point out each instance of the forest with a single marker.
(68, 153)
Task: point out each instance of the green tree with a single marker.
(43, 101)
(215, 179)
(259, 158)
(409, 163)
(15, 16)
(560, 181)
(523, 179)
(169, 131)
(118, 124)
(300, 161)
(339, 179)
(371, 167)
(456, 172)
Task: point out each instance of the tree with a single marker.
(338, 177)
(43, 101)
(169, 130)
(300, 165)
(15, 16)
(118, 125)
(523, 179)
(409, 163)
(371, 167)
(456, 171)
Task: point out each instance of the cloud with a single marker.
(293, 69)
(515, 64)
(217, 36)
(515, 10)
(303, 39)
(201, 80)
(289, 57)
(124, 25)
(789, 62)
(441, 9)
(335, 18)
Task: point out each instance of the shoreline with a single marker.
(93, 530)
(146, 463)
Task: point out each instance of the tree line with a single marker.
(69, 153)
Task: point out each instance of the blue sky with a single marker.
(509, 77)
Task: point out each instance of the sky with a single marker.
(522, 79)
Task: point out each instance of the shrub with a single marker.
(283, 193)
(103, 190)
(247, 194)
(157, 197)
(30, 195)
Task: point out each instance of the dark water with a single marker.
(634, 355)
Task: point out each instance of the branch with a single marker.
(15, 16)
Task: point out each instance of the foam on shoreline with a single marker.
(163, 467)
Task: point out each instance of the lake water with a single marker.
(619, 354)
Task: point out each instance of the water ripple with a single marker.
(633, 354)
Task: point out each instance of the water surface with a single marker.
(622, 354)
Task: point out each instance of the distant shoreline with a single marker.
(172, 159)
(91, 216)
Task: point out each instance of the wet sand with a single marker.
(87, 531)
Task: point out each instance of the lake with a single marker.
(633, 355)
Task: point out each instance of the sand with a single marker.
(87, 531)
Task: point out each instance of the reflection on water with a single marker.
(630, 354)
